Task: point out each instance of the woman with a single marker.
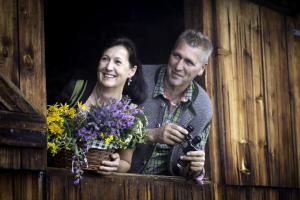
(119, 73)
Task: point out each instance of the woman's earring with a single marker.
(129, 81)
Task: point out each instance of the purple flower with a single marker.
(114, 117)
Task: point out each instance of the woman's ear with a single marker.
(132, 71)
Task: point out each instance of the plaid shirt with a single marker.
(158, 163)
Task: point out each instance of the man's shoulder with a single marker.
(150, 72)
(202, 100)
(201, 93)
(149, 68)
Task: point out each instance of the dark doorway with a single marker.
(76, 31)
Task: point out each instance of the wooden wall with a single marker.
(253, 80)
(22, 48)
(22, 99)
(25, 185)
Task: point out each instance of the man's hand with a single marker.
(167, 134)
(108, 167)
(197, 160)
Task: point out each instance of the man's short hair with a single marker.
(196, 39)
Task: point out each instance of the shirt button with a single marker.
(144, 162)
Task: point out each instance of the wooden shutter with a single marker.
(253, 80)
(255, 90)
(22, 85)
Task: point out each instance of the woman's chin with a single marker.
(110, 84)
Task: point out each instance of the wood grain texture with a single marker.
(251, 84)
(12, 99)
(280, 138)
(23, 158)
(32, 58)
(214, 157)
(9, 40)
(23, 185)
(121, 186)
(294, 89)
(251, 192)
(23, 138)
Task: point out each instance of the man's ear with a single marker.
(202, 70)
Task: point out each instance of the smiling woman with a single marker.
(117, 65)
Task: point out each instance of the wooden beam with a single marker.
(12, 98)
(23, 138)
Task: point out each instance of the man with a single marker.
(174, 102)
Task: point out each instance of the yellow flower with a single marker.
(52, 108)
(72, 112)
(55, 128)
(81, 106)
(108, 139)
(52, 147)
(54, 117)
(64, 108)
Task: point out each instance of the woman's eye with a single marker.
(104, 59)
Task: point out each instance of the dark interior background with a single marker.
(76, 31)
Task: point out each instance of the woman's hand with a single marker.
(108, 167)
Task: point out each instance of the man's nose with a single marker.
(179, 65)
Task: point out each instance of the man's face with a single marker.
(185, 63)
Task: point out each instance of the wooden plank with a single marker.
(122, 186)
(215, 166)
(23, 158)
(9, 40)
(252, 142)
(12, 98)
(262, 193)
(293, 49)
(229, 132)
(22, 121)
(23, 138)
(6, 186)
(20, 185)
(281, 157)
(32, 66)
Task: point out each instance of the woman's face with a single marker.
(114, 68)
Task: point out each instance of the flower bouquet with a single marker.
(62, 121)
(110, 126)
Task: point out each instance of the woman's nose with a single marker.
(109, 65)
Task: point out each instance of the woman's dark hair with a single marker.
(137, 88)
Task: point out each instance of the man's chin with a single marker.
(175, 83)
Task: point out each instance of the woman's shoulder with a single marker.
(77, 89)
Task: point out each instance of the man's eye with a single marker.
(189, 63)
(176, 56)
(118, 62)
